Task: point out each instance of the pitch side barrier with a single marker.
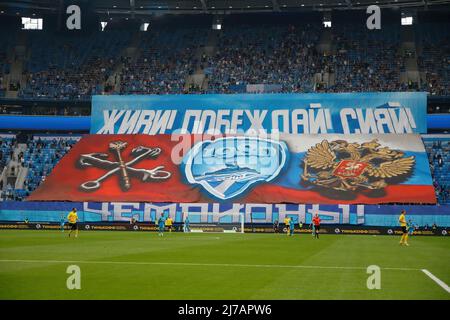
(249, 228)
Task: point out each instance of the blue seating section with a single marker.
(76, 67)
(263, 54)
(7, 39)
(366, 60)
(167, 57)
(41, 157)
(434, 59)
(6, 145)
(438, 150)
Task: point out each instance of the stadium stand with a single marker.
(133, 133)
(365, 60)
(6, 40)
(165, 61)
(71, 68)
(438, 155)
(30, 163)
(248, 54)
(6, 144)
(197, 59)
(434, 60)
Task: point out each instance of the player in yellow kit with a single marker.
(73, 218)
(169, 223)
(403, 225)
(287, 222)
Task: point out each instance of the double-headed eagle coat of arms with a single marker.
(343, 166)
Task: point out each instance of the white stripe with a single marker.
(302, 142)
(205, 264)
(437, 280)
(224, 186)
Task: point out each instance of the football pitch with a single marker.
(141, 265)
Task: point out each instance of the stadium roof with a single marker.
(149, 7)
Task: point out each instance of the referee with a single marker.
(316, 224)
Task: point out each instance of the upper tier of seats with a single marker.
(167, 56)
(291, 54)
(367, 60)
(434, 58)
(73, 67)
(264, 54)
(6, 43)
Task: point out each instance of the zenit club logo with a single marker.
(227, 167)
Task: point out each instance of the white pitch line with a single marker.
(184, 264)
(441, 283)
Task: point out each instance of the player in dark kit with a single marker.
(275, 226)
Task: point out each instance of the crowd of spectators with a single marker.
(4, 62)
(45, 155)
(365, 60)
(435, 61)
(61, 67)
(3, 73)
(167, 56)
(433, 42)
(39, 158)
(75, 83)
(6, 148)
(439, 167)
(284, 55)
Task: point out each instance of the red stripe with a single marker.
(392, 194)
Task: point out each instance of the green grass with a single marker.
(218, 266)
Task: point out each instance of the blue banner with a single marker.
(369, 215)
(314, 113)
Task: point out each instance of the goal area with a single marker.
(207, 222)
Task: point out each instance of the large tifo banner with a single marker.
(289, 168)
(315, 113)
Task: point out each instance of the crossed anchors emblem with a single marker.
(344, 166)
(124, 169)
